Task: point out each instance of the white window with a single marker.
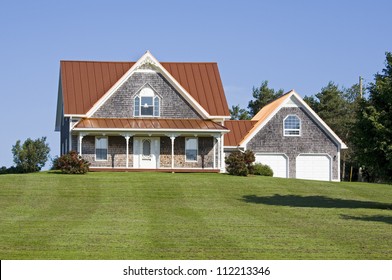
(292, 126)
(146, 104)
(191, 149)
(101, 148)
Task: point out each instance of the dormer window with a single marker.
(292, 126)
(146, 103)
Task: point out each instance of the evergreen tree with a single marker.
(262, 96)
(373, 131)
(238, 113)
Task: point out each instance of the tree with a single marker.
(373, 130)
(262, 96)
(238, 113)
(31, 156)
(337, 107)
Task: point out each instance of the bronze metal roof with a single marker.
(146, 124)
(238, 131)
(85, 82)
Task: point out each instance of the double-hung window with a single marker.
(292, 126)
(101, 148)
(146, 104)
(191, 149)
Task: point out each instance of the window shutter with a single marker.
(156, 106)
(137, 106)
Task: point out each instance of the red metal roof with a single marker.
(145, 124)
(238, 131)
(85, 82)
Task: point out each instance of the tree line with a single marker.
(361, 118)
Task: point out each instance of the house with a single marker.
(143, 115)
(173, 116)
(291, 138)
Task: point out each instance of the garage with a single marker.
(313, 167)
(278, 163)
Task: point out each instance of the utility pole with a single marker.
(360, 86)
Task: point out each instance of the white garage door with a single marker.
(313, 167)
(277, 162)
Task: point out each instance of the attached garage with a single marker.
(313, 167)
(278, 163)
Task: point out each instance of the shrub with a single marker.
(262, 169)
(72, 163)
(3, 170)
(240, 164)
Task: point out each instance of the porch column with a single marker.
(223, 165)
(218, 139)
(127, 151)
(172, 150)
(81, 135)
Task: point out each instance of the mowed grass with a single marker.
(191, 216)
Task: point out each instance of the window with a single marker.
(146, 149)
(291, 126)
(191, 149)
(101, 148)
(146, 103)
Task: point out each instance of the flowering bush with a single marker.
(72, 163)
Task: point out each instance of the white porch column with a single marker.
(172, 138)
(214, 144)
(218, 139)
(222, 165)
(127, 151)
(81, 135)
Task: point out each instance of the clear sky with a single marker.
(299, 45)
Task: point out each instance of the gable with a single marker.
(121, 104)
(84, 84)
(289, 100)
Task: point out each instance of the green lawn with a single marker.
(191, 216)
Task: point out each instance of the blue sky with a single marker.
(299, 45)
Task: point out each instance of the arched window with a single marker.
(146, 103)
(146, 149)
(292, 126)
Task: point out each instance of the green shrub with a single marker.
(239, 163)
(72, 163)
(262, 169)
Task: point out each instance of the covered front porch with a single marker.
(195, 148)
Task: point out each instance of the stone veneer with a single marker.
(313, 139)
(121, 103)
(117, 152)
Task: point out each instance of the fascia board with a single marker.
(316, 118)
(259, 125)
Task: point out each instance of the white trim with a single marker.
(160, 168)
(338, 162)
(76, 116)
(147, 58)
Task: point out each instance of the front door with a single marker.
(146, 152)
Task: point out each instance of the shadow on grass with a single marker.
(313, 201)
(376, 218)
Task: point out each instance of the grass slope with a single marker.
(191, 216)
